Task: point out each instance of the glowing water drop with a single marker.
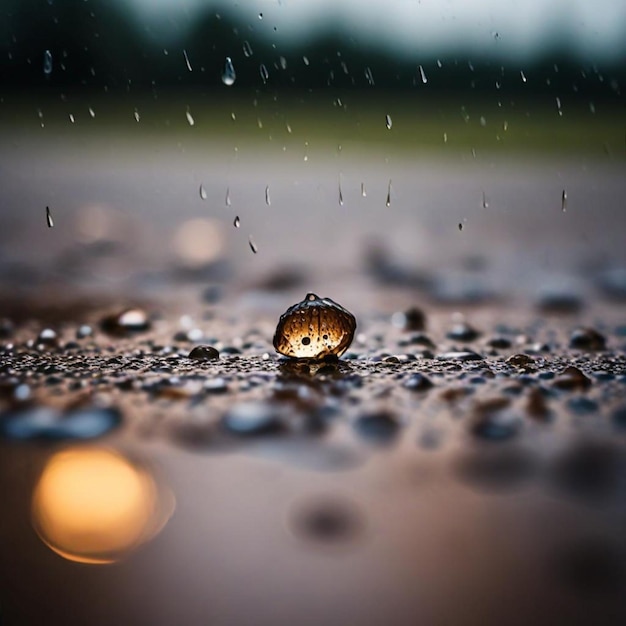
(92, 113)
(369, 76)
(523, 76)
(229, 75)
(203, 193)
(49, 218)
(267, 196)
(305, 60)
(189, 117)
(423, 74)
(47, 63)
(72, 119)
(136, 115)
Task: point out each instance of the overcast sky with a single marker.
(593, 29)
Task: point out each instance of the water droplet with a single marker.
(288, 128)
(558, 105)
(264, 73)
(237, 222)
(204, 353)
(126, 322)
(388, 201)
(460, 225)
(92, 113)
(363, 192)
(229, 76)
(564, 200)
(505, 125)
(136, 115)
(227, 199)
(592, 107)
(47, 63)
(189, 117)
(314, 329)
(252, 245)
(423, 74)
(388, 122)
(305, 60)
(523, 76)
(259, 123)
(485, 202)
(445, 138)
(340, 193)
(283, 63)
(247, 49)
(483, 121)
(260, 16)
(369, 76)
(72, 118)
(203, 193)
(233, 116)
(49, 218)
(187, 60)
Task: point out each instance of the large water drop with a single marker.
(229, 75)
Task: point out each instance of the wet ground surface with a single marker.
(463, 462)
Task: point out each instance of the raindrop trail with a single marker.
(264, 73)
(388, 201)
(236, 222)
(267, 196)
(187, 60)
(422, 74)
(190, 119)
(49, 218)
(203, 193)
(388, 122)
(47, 63)
(227, 199)
(252, 245)
(564, 201)
(229, 75)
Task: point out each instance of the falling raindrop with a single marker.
(264, 73)
(237, 222)
(445, 138)
(203, 193)
(92, 113)
(340, 193)
(363, 192)
(259, 123)
(49, 218)
(305, 60)
(524, 79)
(136, 115)
(423, 74)
(227, 199)
(564, 201)
(189, 117)
(283, 63)
(485, 201)
(592, 107)
(72, 119)
(252, 245)
(187, 60)
(505, 125)
(47, 63)
(388, 201)
(247, 49)
(288, 128)
(558, 105)
(369, 76)
(233, 116)
(267, 196)
(229, 76)
(460, 225)
(388, 122)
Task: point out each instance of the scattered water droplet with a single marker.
(136, 115)
(187, 60)
(237, 222)
(49, 218)
(227, 199)
(229, 76)
(264, 73)
(72, 118)
(47, 63)
(247, 49)
(203, 193)
(524, 79)
(363, 192)
(252, 245)
(564, 200)
(388, 122)
(92, 113)
(267, 196)
(388, 201)
(189, 117)
(485, 202)
(423, 74)
(305, 60)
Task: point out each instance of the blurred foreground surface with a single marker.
(141, 486)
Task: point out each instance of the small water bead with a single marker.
(423, 74)
(563, 201)
(388, 200)
(264, 73)
(523, 76)
(189, 117)
(340, 194)
(49, 220)
(388, 122)
(227, 199)
(485, 202)
(92, 113)
(229, 75)
(260, 16)
(252, 245)
(237, 222)
(305, 60)
(363, 191)
(72, 118)
(47, 63)
(460, 225)
(136, 115)
(247, 49)
(267, 196)
(204, 353)
(314, 329)
(203, 193)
